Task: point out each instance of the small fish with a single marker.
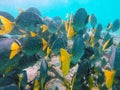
(107, 44)
(58, 21)
(28, 21)
(93, 20)
(116, 25)
(29, 44)
(69, 28)
(78, 49)
(43, 73)
(109, 26)
(109, 76)
(7, 25)
(52, 27)
(65, 61)
(97, 33)
(22, 80)
(106, 37)
(57, 45)
(80, 19)
(114, 58)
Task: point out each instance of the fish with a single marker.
(78, 49)
(97, 33)
(28, 21)
(29, 44)
(69, 28)
(80, 19)
(52, 27)
(116, 25)
(109, 78)
(82, 71)
(7, 16)
(34, 10)
(109, 26)
(65, 61)
(106, 37)
(93, 20)
(43, 72)
(22, 80)
(10, 54)
(7, 26)
(58, 21)
(57, 45)
(9, 87)
(107, 44)
(114, 58)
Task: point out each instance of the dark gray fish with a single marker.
(8, 57)
(58, 20)
(34, 10)
(28, 21)
(52, 27)
(7, 15)
(78, 49)
(9, 87)
(98, 33)
(23, 81)
(86, 37)
(93, 20)
(116, 25)
(115, 58)
(43, 73)
(80, 19)
(57, 45)
(107, 36)
(31, 45)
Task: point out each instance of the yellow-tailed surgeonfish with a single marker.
(107, 44)
(109, 78)
(80, 19)
(93, 20)
(43, 73)
(7, 25)
(9, 54)
(109, 26)
(65, 61)
(69, 28)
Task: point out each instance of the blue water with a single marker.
(105, 10)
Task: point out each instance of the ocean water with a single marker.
(105, 10)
